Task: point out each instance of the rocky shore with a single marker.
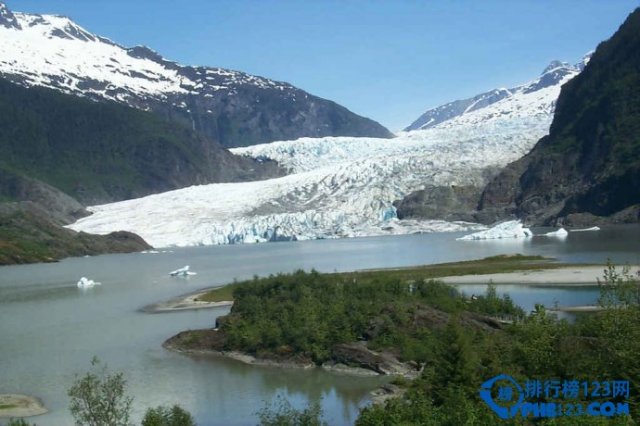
(349, 358)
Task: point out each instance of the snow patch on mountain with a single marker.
(339, 187)
(537, 97)
(54, 51)
(231, 107)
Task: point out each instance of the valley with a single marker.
(168, 218)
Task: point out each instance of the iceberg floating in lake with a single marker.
(593, 228)
(182, 272)
(87, 283)
(510, 229)
(560, 233)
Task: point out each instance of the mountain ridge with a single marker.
(104, 151)
(553, 75)
(232, 107)
(532, 103)
(587, 169)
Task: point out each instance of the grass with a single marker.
(7, 406)
(489, 265)
(220, 294)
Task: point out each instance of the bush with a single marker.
(99, 398)
(281, 413)
(18, 422)
(163, 416)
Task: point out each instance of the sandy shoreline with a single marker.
(577, 309)
(574, 275)
(185, 302)
(12, 405)
(587, 275)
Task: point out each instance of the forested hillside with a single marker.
(588, 168)
(100, 152)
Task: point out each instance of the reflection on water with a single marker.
(50, 329)
(549, 296)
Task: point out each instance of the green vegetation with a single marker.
(281, 413)
(18, 422)
(99, 398)
(103, 151)
(488, 265)
(220, 294)
(456, 357)
(27, 235)
(597, 347)
(308, 314)
(163, 416)
(589, 164)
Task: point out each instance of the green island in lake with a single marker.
(438, 344)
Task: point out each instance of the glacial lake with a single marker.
(50, 329)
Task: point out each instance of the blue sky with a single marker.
(388, 60)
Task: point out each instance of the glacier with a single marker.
(338, 187)
(343, 186)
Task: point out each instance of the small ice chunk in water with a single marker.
(87, 283)
(509, 229)
(593, 228)
(182, 272)
(560, 233)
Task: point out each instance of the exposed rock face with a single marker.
(451, 203)
(251, 115)
(7, 18)
(588, 168)
(529, 103)
(360, 355)
(61, 208)
(231, 107)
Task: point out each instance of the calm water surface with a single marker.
(50, 330)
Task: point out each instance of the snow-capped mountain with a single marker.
(235, 108)
(344, 187)
(537, 97)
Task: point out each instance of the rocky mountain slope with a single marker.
(28, 235)
(588, 167)
(61, 208)
(535, 97)
(532, 103)
(232, 107)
